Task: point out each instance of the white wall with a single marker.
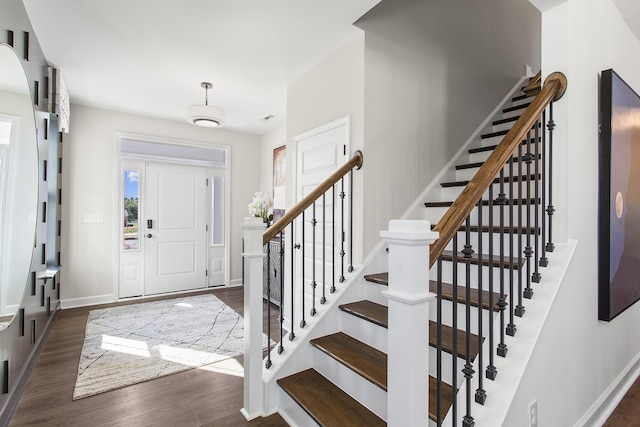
(331, 90)
(578, 359)
(433, 71)
(90, 161)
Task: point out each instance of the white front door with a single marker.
(319, 153)
(174, 228)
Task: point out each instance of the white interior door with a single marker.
(318, 154)
(175, 228)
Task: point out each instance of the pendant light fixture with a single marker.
(206, 115)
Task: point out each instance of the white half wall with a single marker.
(580, 361)
(90, 159)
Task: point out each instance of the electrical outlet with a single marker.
(533, 414)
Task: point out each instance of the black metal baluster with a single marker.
(342, 253)
(544, 261)
(324, 249)
(468, 371)
(536, 216)
(333, 239)
(313, 262)
(292, 334)
(350, 221)
(303, 323)
(528, 251)
(481, 394)
(281, 314)
(511, 327)
(550, 209)
(491, 371)
(439, 343)
(454, 341)
(502, 303)
(520, 307)
(267, 364)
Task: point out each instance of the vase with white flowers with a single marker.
(262, 207)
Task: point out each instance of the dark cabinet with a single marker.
(273, 270)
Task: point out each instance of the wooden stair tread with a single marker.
(327, 404)
(494, 134)
(447, 291)
(377, 364)
(367, 310)
(516, 107)
(515, 202)
(493, 147)
(485, 229)
(366, 361)
(448, 256)
(447, 331)
(503, 121)
(479, 164)
(515, 178)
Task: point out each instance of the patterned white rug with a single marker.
(130, 344)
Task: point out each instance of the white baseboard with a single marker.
(236, 282)
(87, 301)
(602, 408)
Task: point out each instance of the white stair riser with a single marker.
(447, 366)
(447, 276)
(292, 412)
(496, 243)
(502, 126)
(447, 316)
(484, 155)
(359, 388)
(451, 193)
(434, 215)
(365, 331)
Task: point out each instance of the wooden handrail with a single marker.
(553, 89)
(354, 162)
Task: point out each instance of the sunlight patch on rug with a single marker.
(131, 344)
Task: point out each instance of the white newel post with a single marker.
(253, 277)
(409, 297)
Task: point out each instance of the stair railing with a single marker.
(331, 233)
(521, 164)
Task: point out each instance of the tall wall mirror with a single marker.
(18, 183)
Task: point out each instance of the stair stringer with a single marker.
(511, 369)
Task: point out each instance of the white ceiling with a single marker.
(149, 56)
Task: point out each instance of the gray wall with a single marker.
(433, 71)
(40, 298)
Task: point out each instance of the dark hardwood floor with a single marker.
(627, 413)
(196, 397)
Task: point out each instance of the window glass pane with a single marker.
(130, 214)
(217, 210)
(5, 132)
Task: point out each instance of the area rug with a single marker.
(131, 344)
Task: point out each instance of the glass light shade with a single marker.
(206, 116)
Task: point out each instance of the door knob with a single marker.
(149, 235)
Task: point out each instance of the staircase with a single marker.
(347, 383)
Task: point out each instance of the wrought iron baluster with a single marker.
(468, 371)
(342, 252)
(303, 322)
(491, 371)
(550, 209)
(350, 221)
(314, 221)
(292, 334)
(281, 314)
(544, 261)
(481, 394)
(536, 213)
(333, 239)
(520, 307)
(528, 251)
(439, 342)
(511, 326)
(268, 310)
(324, 250)
(454, 340)
(502, 303)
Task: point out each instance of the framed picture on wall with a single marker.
(279, 179)
(619, 197)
